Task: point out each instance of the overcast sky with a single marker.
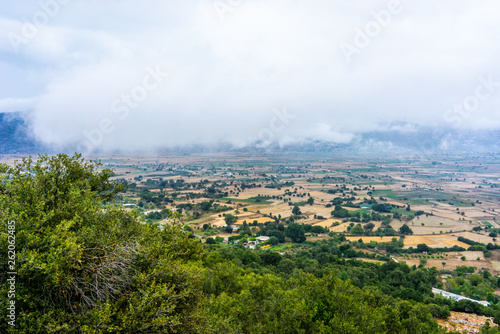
(140, 75)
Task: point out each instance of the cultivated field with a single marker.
(438, 200)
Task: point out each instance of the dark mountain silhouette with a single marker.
(14, 135)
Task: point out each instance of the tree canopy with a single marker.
(405, 229)
(86, 266)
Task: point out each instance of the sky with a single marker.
(129, 75)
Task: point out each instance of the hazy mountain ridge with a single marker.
(15, 137)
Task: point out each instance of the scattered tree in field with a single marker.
(230, 219)
(340, 212)
(369, 226)
(405, 229)
(296, 210)
(422, 248)
(357, 230)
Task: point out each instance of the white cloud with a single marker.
(16, 104)
(226, 76)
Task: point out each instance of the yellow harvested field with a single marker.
(433, 225)
(318, 238)
(473, 255)
(339, 228)
(251, 220)
(245, 215)
(495, 265)
(218, 222)
(368, 239)
(452, 260)
(326, 223)
(318, 209)
(434, 241)
(259, 191)
(278, 208)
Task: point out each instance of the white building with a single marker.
(456, 297)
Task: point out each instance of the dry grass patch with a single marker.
(251, 220)
(367, 240)
(465, 322)
(483, 238)
(433, 225)
(434, 241)
(326, 223)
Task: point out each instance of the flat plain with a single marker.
(439, 198)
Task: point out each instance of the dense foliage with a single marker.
(86, 267)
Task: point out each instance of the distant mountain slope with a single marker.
(14, 137)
